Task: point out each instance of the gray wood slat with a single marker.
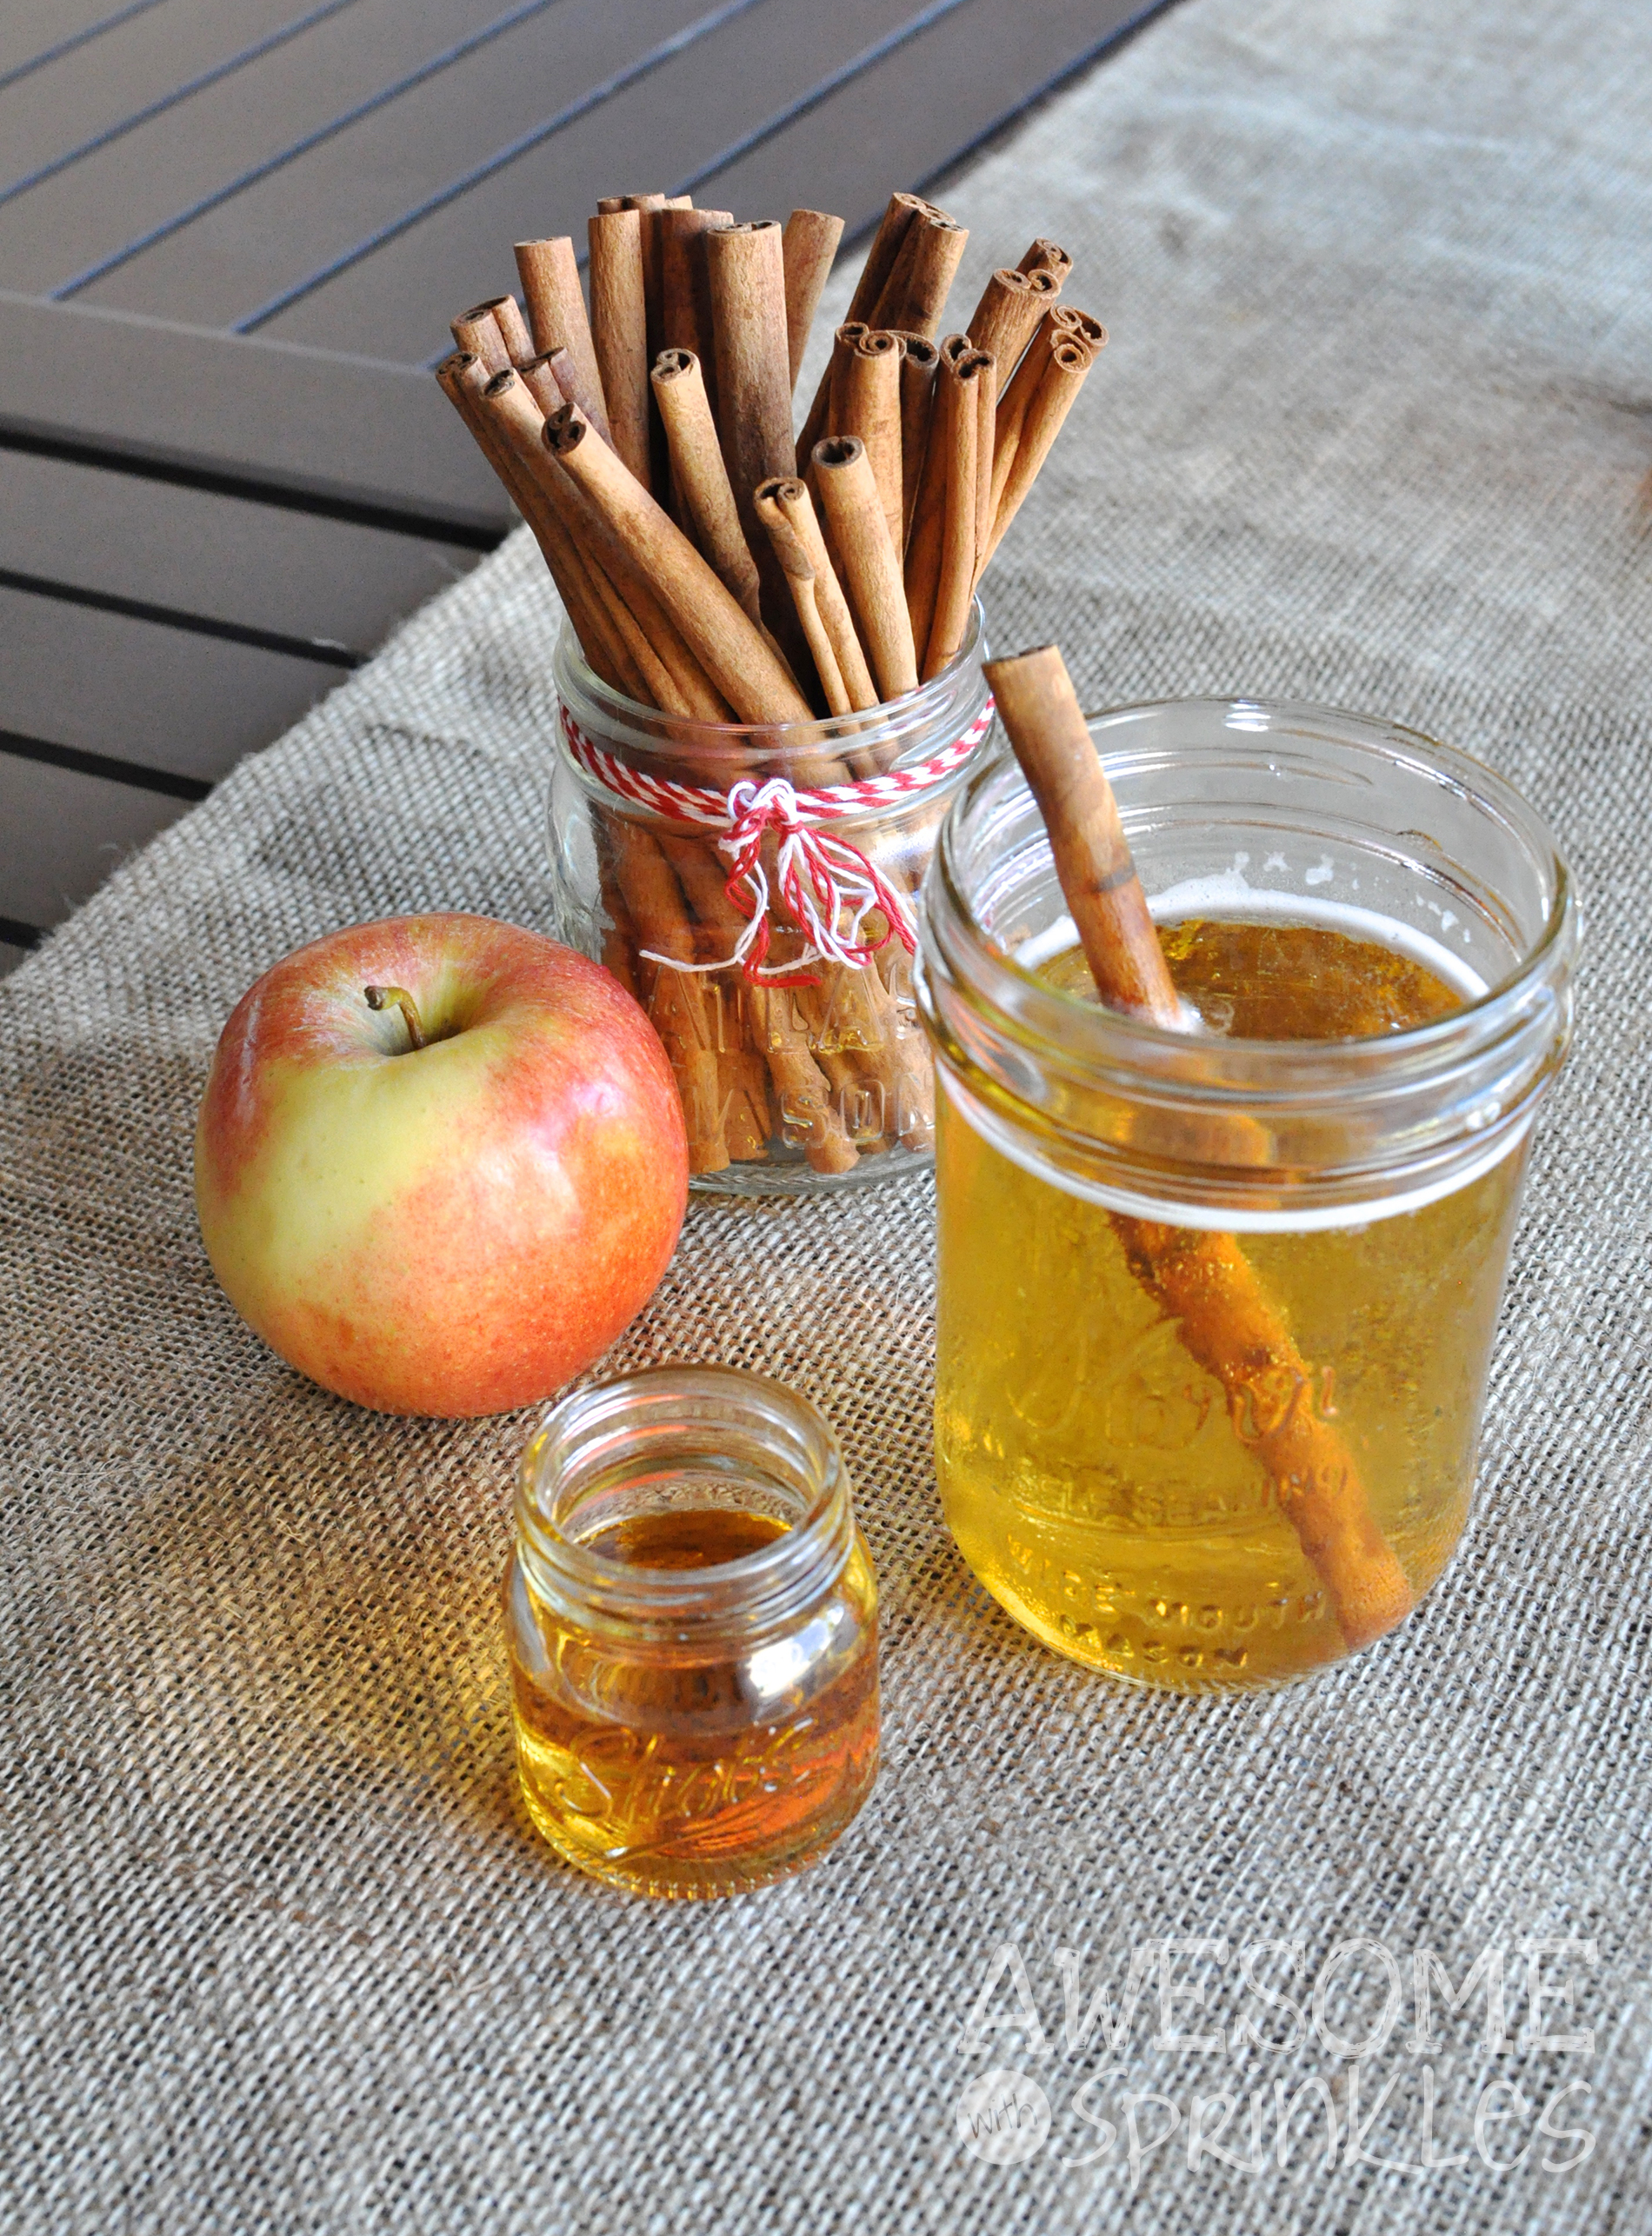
(922, 109)
(63, 226)
(28, 28)
(324, 428)
(942, 90)
(648, 138)
(165, 698)
(61, 834)
(130, 67)
(238, 256)
(259, 565)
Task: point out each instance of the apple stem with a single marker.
(397, 997)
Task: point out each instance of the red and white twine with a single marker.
(828, 885)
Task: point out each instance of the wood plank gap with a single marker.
(702, 27)
(15, 933)
(216, 482)
(67, 47)
(153, 108)
(180, 218)
(101, 764)
(325, 648)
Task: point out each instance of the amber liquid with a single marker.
(1098, 1479)
(678, 1772)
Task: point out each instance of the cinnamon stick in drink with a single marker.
(871, 412)
(699, 475)
(735, 655)
(809, 242)
(1202, 1281)
(619, 333)
(550, 275)
(854, 507)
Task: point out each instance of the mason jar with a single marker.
(691, 1625)
(756, 889)
(1216, 1307)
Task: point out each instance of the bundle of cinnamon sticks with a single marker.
(718, 569)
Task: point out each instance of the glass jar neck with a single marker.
(670, 1441)
(1204, 1130)
(899, 733)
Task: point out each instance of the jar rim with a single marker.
(644, 728)
(1123, 1033)
(598, 1426)
(1213, 1127)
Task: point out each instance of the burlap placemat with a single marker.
(1373, 428)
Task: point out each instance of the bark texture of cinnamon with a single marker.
(686, 288)
(619, 333)
(854, 506)
(809, 242)
(699, 475)
(1202, 1281)
(550, 275)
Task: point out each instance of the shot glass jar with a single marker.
(783, 997)
(691, 1622)
(1215, 1313)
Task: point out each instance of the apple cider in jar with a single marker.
(1104, 1483)
(1215, 1305)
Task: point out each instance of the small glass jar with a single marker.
(798, 1068)
(1215, 1314)
(692, 1621)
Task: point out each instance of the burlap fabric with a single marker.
(1373, 428)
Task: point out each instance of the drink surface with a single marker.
(1105, 1487)
(679, 1769)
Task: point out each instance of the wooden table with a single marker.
(231, 233)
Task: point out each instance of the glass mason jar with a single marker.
(1216, 1312)
(691, 1621)
(800, 1065)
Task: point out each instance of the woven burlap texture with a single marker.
(1374, 428)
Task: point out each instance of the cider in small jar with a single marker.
(1103, 1483)
(691, 1619)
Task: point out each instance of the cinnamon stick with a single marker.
(893, 226)
(1063, 375)
(477, 333)
(747, 268)
(686, 288)
(871, 413)
(954, 573)
(550, 275)
(1046, 256)
(854, 508)
(737, 656)
(809, 242)
(676, 1006)
(918, 361)
(1005, 318)
(1202, 1281)
(539, 377)
(699, 475)
(784, 505)
(619, 333)
(914, 294)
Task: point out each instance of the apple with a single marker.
(440, 1164)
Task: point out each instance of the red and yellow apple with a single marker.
(440, 1164)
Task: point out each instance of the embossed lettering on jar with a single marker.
(1331, 1166)
(691, 1619)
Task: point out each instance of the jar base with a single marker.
(801, 1178)
(691, 1880)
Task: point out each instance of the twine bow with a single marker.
(828, 885)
